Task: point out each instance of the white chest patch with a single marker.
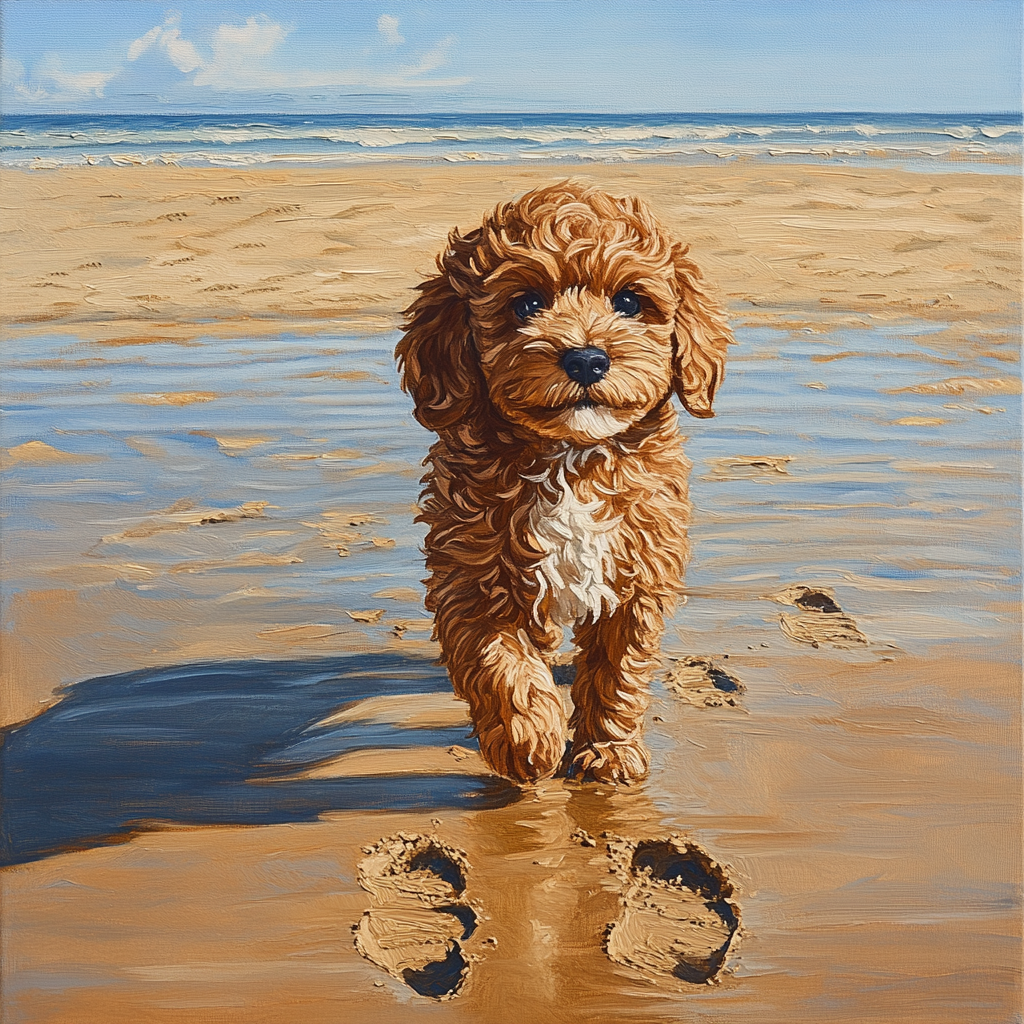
(578, 562)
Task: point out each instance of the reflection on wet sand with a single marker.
(826, 799)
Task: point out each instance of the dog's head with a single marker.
(570, 313)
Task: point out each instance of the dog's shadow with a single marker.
(218, 743)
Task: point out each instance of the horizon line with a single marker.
(513, 113)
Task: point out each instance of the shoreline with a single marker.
(894, 160)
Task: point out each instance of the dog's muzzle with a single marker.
(586, 366)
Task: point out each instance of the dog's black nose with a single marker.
(586, 366)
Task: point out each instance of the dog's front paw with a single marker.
(610, 761)
(524, 748)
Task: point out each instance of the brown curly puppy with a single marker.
(544, 355)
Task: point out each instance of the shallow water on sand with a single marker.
(821, 468)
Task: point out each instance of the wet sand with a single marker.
(207, 460)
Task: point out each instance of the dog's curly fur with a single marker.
(549, 505)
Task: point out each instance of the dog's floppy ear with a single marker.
(701, 337)
(437, 359)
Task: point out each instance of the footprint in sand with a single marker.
(699, 681)
(419, 919)
(677, 918)
(820, 621)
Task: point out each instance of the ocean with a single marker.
(989, 142)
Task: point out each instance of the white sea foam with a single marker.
(54, 141)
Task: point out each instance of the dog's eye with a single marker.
(526, 305)
(626, 302)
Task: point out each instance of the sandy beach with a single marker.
(210, 477)
(129, 255)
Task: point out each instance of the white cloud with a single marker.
(387, 26)
(12, 71)
(181, 53)
(13, 80)
(143, 43)
(239, 53)
(243, 58)
(258, 37)
(434, 58)
(72, 84)
(242, 62)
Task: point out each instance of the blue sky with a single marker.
(511, 55)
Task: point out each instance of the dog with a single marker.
(544, 354)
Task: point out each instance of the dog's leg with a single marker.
(516, 708)
(618, 655)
